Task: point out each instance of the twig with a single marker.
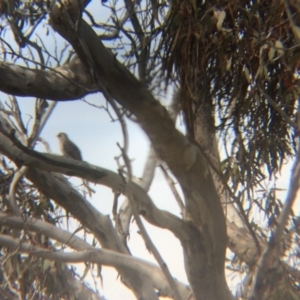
(114, 106)
(45, 143)
(17, 114)
(277, 108)
(268, 254)
(171, 184)
(235, 199)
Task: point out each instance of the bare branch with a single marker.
(62, 83)
(171, 184)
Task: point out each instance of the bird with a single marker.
(68, 148)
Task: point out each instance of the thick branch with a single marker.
(70, 82)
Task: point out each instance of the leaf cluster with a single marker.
(244, 58)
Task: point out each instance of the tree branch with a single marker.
(70, 82)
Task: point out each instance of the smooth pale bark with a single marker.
(70, 82)
(125, 212)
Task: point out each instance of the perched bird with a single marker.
(67, 147)
(70, 150)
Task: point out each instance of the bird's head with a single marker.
(62, 136)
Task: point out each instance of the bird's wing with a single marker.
(71, 150)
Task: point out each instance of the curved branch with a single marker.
(125, 212)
